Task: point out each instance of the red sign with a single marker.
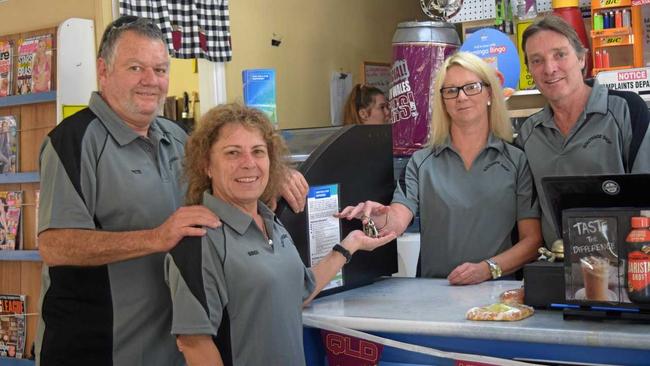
(343, 350)
(472, 363)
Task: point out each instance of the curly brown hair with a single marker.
(197, 151)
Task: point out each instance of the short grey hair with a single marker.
(142, 26)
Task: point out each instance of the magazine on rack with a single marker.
(13, 325)
(11, 203)
(37, 200)
(6, 65)
(9, 144)
(34, 64)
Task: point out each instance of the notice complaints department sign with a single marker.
(636, 80)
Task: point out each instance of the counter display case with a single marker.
(431, 313)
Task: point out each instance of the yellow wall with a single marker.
(27, 15)
(183, 78)
(318, 37)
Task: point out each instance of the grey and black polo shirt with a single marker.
(246, 293)
(466, 215)
(97, 174)
(608, 138)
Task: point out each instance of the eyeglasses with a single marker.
(125, 22)
(469, 90)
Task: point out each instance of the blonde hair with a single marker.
(197, 151)
(498, 119)
(361, 97)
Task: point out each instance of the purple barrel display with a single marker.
(419, 48)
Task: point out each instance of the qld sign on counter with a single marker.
(635, 80)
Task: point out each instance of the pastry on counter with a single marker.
(500, 312)
(514, 296)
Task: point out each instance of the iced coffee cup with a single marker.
(595, 272)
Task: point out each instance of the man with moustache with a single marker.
(585, 129)
(111, 207)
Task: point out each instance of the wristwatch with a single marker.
(344, 252)
(495, 269)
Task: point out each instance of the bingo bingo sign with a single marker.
(636, 80)
(496, 49)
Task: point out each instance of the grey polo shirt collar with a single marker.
(234, 217)
(597, 103)
(116, 127)
(493, 142)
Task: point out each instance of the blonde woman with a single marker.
(470, 186)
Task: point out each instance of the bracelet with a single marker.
(344, 252)
(385, 224)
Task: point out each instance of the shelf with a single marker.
(523, 113)
(526, 92)
(14, 100)
(20, 255)
(612, 32)
(6, 361)
(613, 68)
(600, 42)
(613, 45)
(20, 177)
(609, 4)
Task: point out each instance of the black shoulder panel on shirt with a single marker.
(67, 138)
(78, 313)
(187, 257)
(223, 340)
(639, 119)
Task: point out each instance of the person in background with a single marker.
(237, 292)
(470, 186)
(366, 105)
(584, 129)
(111, 207)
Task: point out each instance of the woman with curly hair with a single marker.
(238, 291)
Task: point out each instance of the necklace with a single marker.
(262, 226)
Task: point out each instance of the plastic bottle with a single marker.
(570, 12)
(638, 259)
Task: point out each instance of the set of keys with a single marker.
(369, 228)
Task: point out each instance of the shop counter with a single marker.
(431, 313)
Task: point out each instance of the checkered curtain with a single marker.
(193, 28)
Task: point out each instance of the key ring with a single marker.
(369, 228)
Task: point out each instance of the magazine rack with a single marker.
(20, 269)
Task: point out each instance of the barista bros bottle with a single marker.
(638, 259)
